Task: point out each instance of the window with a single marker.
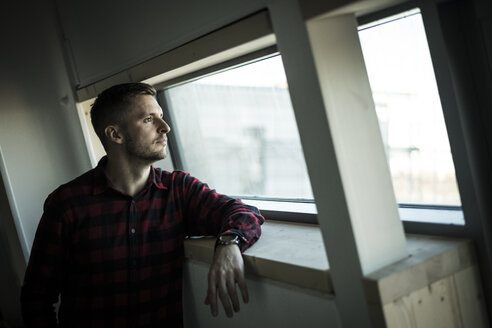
(412, 125)
(236, 130)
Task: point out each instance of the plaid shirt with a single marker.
(117, 260)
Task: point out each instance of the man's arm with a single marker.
(43, 276)
(210, 213)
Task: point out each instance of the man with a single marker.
(110, 242)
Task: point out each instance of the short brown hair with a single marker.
(111, 105)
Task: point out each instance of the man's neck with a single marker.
(127, 177)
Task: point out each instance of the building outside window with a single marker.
(409, 110)
(236, 130)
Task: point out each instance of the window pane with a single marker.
(409, 110)
(237, 132)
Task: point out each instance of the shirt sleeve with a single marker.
(44, 273)
(211, 213)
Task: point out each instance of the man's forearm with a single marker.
(37, 310)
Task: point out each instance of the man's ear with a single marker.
(113, 134)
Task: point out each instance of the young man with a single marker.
(110, 242)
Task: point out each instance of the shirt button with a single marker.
(133, 230)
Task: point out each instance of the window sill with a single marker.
(294, 253)
(431, 215)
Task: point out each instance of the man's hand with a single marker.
(226, 270)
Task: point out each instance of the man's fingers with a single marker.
(211, 298)
(224, 298)
(231, 288)
(226, 270)
(212, 301)
(243, 288)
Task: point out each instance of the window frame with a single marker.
(456, 135)
(415, 225)
(271, 210)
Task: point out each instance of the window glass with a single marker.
(236, 131)
(407, 102)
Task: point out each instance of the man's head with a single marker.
(112, 106)
(128, 119)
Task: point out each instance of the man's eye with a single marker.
(148, 119)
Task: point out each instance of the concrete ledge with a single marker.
(287, 252)
(294, 253)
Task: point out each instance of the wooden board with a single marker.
(430, 259)
(454, 301)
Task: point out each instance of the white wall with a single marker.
(40, 135)
(13, 264)
(271, 304)
(41, 142)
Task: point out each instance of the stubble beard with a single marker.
(143, 153)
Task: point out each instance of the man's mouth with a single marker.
(161, 141)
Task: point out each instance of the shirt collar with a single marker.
(156, 177)
(102, 183)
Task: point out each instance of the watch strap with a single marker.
(227, 239)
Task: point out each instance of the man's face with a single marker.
(145, 131)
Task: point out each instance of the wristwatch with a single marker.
(228, 239)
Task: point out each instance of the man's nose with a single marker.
(164, 127)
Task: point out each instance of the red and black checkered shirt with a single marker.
(116, 260)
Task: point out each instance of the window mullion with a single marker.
(173, 141)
